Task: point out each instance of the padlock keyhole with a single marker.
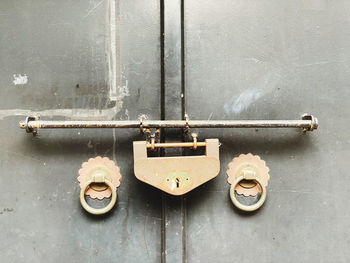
(177, 180)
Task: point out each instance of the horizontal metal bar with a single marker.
(176, 145)
(308, 122)
(41, 124)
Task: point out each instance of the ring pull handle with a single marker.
(98, 178)
(248, 175)
(253, 171)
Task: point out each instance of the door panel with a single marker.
(76, 60)
(271, 60)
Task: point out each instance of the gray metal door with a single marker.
(226, 59)
(76, 60)
(272, 60)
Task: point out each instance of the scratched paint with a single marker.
(92, 7)
(116, 92)
(241, 102)
(20, 79)
(111, 50)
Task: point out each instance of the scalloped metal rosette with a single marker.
(103, 166)
(252, 163)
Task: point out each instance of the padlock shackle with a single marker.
(175, 145)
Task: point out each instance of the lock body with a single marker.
(176, 175)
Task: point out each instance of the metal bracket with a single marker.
(313, 123)
(187, 126)
(30, 129)
(142, 129)
(152, 138)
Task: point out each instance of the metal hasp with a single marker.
(175, 175)
(307, 123)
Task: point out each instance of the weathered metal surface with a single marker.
(244, 60)
(78, 66)
(272, 60)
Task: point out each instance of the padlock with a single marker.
(176, 175)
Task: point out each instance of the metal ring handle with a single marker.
(247, 208)
(97, 211)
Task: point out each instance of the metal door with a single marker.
(76, 60)
(226, 59)
(272, 60)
